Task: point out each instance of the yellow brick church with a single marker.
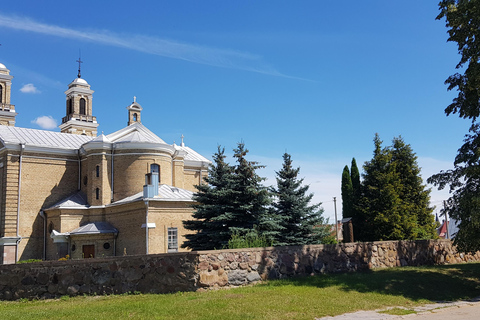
(78, 194)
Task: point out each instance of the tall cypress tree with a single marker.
(355, 176)
(347, 194)
(214, 209)
(301, 223)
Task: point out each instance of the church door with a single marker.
(89, 251)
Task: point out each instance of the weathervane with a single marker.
(79, 62)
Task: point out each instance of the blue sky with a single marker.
(314, 78)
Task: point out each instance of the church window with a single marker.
(135, 117)
(82, 106)
(155, 168)
(172, 239)
(1, 94)
(97, 169)
(70, 106)
(97, 193)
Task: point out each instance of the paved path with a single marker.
(461, 310)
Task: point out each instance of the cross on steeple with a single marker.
(79, 66)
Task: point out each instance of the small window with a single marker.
(135, 117)
(69, 106)
(172, 239)
(82, 106)
(1, 94)
(97, 193)
(97, 171)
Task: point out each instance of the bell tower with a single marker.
(79, 118)
(7, 110)
(134, 111)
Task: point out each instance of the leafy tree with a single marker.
(213, 210)
(301, 223)
(463, 20)
(347, 193)
(394, 204)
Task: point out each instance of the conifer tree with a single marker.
(347, 194)
(394, 203)
(213, 210)
(355, 177)
(301, 223)
(249, 198)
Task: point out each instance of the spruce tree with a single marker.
(300, 222)
(214, 208)
(249, 198)
(347, 194)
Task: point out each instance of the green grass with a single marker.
(297, 298)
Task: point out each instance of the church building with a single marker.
(85, 195)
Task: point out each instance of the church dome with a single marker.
(2, 66)
(80, 81)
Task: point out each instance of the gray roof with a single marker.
(135, 132)
(41, 138)
(94, 228)
(165, 193)
(76, 200)
(192, 155)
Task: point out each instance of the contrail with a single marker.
(223, 58)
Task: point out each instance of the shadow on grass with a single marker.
(434, 283)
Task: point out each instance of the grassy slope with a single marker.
(299, 298)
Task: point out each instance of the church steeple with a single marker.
(7, 110)
(79, 118)
(134, 112)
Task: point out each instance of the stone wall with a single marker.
(190, 271)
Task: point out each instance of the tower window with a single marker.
(70, 106)
(135, 117)
(97, 171)
(82, 106)
(97, 193)
(1, 94)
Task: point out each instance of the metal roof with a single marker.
(165, 193)
(135, 132)
(94, 228)
(41, 138)
(192, 155)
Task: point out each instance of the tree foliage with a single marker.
(213, 210)
(463, 20)
(394, 204)
(301, 223)
(232, 201)
(347, 193)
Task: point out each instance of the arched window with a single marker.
(155, 168)
(135, 117)
(82, 106)
(97, 169)
(97, 193)
(1, 94)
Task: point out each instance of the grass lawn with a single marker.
(298, 298)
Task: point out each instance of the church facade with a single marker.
(85, 195)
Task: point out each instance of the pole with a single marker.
(336, 221)
(446, 218)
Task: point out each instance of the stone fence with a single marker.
(190, 271)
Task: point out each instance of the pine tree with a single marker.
(213, 210)
(300, 222)
(355, 177)
(347, 194)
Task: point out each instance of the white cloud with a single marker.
(29, 88)
(45, 122)
(224, 58)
